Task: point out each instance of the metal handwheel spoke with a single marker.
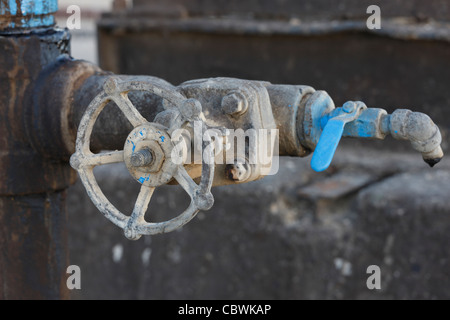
(186, 182)
(144, 197)
(128, 109)
(140, 208)
(105, 158)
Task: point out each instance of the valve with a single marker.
(332, 133)
(148, 154)
(324, 126)
(307, 119)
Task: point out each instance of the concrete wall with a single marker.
(297, 235)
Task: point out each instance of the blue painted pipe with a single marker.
(27, 14)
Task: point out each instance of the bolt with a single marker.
(234, 104)
(238, 172)
(142, 158)
(349, 107)
(191, 109)
(110, 86)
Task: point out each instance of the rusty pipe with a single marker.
(33, 219)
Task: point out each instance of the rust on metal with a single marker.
(24, 170)
(33, 241)
(33, 222)
(20, 16)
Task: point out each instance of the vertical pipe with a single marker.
(33, 221)
(33, 242)
(16, 15)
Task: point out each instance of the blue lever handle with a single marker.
(333, 124)
(328, 143)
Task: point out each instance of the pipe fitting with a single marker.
(22, 16)
(421, 131)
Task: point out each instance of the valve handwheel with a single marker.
(148, 155)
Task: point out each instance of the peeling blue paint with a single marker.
(142, 179)
(32, 13)
(10, 9)
(29, 7)
(339, 123)
(320, 107)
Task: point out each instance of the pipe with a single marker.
(53, 129)
(419, 129)
(372, 123)
(33, 217)
(18, 16)
(79, 82)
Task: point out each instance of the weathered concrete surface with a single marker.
(273, 239)
(404, 224)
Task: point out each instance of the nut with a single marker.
(234, 104)
(157, 156)
(349, 107)
(191, 109)
(142, 158)
(238, 171)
